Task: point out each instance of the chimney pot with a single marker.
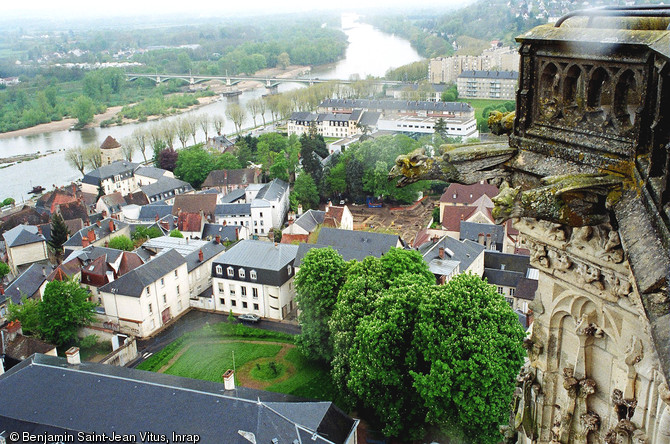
(201, 257)
(72, 354)
(84, 242)
(229, 380)
(91, 234)
(111, 226)
(218, 239)
(441, 252)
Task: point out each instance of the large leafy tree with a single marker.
(63, 310)
(305, 192)
(27, 313)
(193, 165)
(121, 243)
(322, 273)
(59, 233)
(4, 270)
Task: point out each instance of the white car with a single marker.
(248, 317)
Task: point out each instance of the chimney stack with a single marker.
(201, 257)
(156, 218)
(237, 233)
(91, 234)
(480, 238)
(98, 223)
(39, 229)
(441, 252)
(488, 241)
(84, 242)
(111, 226)
(2, 289)
(229, 380)
(217, 239)
(72, 354)
(13, 329)
(104, 213)
(434, 239)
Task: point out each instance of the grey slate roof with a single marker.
(92, 252)
(120, 167)
(471, 231)
(310, 220)
(375, 244)
(259, 254)
(489, 75)
(149, 171)
(346, 252)
(148, 212)
(273, 190)
(303, 116)
(502, 277)
(209, 250)
(233, 196)
(395, 105)
(165, 188)
(100, 231)
(232, 209)
(506, 261)
(464, 252)
(526, 288)
(38, 395)
(27, 283)
(225, 231)
(133, 282)
(22, 235)
(370, 118)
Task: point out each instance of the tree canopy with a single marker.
(122, 243)
(59, 233)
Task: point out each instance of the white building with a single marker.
(447, 69)
(269, 207)
(488, 84)
(145, 299)
(117, 176)
(255, 277)
(25, 245)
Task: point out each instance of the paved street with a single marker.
(194, 320)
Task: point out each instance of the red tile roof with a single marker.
(292, 238)
(467, 194)
(453, 215)
(109, 143)
(189, 222)
(129, 262)
(193, 203)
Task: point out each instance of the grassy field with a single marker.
(207, 353)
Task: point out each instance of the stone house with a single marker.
(226, 181)
(25, 245)
(255, 277)
(99, 234)
(145, 299)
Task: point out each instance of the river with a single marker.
(370, 52)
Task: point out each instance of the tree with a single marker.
(8, 201)
(203, 121)
(63, 310)
(471, 351)
(121, 243)
(254, 108)
(168, 133)
(27, 313)
(4, 270)
(140, 138)
(283, 60)
(84, 110)
(92, 156)
(176, 233)
(59, 233)
(321, 275)
(441, 128)
(236, 114)
(75, 157)
(305, 191)
(167, 159)
(182, 129)
(226, 161)
(218, 122)
(128, 148)
(193, 165)
(142, 233)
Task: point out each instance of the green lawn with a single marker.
(206, 357)
(210, 361)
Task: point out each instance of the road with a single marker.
(194, 320)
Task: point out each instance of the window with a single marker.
(244, 291)
(500, 290)
(222, 301)
(164, 299)
(151, 310)
(179, 305)
(252, 274)
(233, 302)
(511, 292)
(176, 274)
(289, 269)
(254, 293)
(230, 271)
(220, 288)
(261, 223)
(261, 216)
(148, 290)
(232, 290)
(244, 305)
(163, 282)
(256, 307)
(242, 273)
(177, 289)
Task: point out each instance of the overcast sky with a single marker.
(204, 8)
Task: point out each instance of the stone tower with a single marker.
(594, 97)
(585, 177)
(110, 151)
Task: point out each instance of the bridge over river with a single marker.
(270, 82)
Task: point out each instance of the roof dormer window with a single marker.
(230, 271)
(241, 273)
(252, 275)
(219, 270)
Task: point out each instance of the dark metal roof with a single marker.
(133, 282)
(233, 196)
(27, 283)
(511, 262)
(397, 105)
(510, 75)
(22, 235)
(502, 277)
(45, 392)
(374, 244)
(229, 232)
(526, 288)
(209, 250)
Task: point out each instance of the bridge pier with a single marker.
(158, 80)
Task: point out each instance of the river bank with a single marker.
(214, 85)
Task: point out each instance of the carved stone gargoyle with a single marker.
(575, 200)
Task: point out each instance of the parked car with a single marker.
(248, 317)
